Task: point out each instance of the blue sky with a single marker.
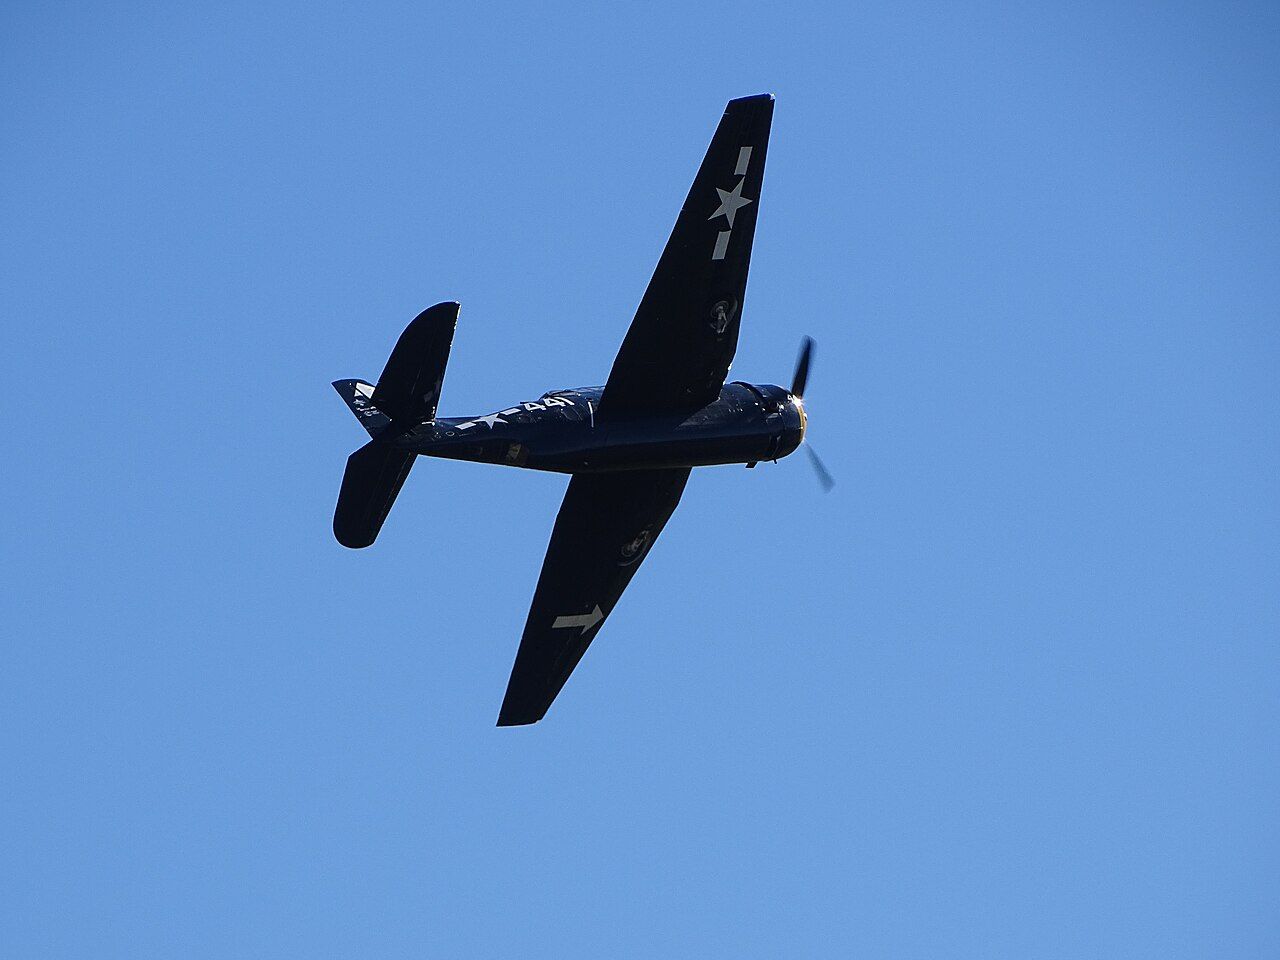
(1010, 690)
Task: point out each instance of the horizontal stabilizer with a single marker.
(375, 474)
(409, 389)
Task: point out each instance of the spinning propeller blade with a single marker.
(798, 384)
(824, 477)
(802, 367)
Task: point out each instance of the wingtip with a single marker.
(519, 712)
(352, 539)
(754, 98)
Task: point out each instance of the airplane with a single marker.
(629, 445)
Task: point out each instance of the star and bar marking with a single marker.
(730, 202)
(490, 421)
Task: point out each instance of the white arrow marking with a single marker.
(586, 621)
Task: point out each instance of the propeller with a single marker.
(802, 367)
(798, 384)
(824, 477)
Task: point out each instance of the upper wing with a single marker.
(682, 340)
(606, 525)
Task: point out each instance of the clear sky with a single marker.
(1012, 690)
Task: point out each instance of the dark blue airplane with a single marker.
(629, 445)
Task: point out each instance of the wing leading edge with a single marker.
(605, 528)
(684, 335)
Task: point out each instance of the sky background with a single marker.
(1012, 690)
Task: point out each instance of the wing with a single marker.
(606, 525)
(682, 340)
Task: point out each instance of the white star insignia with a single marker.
(491, 419)
(730, 201)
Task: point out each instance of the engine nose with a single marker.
(794, 423)
(798, 403)
(783, 417)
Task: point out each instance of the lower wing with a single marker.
(604, 530)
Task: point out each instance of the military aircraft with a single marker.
(628, 446)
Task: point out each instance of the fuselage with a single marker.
(563, 431)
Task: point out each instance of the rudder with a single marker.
(358, 397)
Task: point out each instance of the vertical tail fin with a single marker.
(359, 397)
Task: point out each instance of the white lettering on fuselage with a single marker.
(533, 406)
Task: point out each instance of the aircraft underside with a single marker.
(629, 445)
(560, 433)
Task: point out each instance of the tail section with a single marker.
(406, 395)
